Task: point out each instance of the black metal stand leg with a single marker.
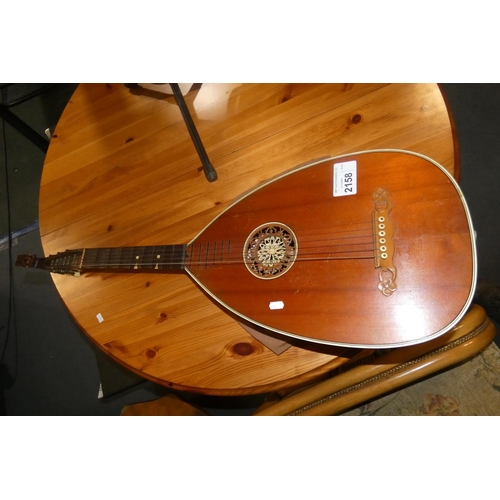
(210, 172)
(24, 129)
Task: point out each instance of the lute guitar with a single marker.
(372, 249)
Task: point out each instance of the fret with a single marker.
(89, 258)
(180, 256)
(115, 255)
(126, 258)
(172, 253)
(206, 254)
(102, 258)
(149, 252)
(138, 257)
(119, 259)
(190, 255)
(157, 256)
(198, 260)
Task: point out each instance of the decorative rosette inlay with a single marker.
(270, 250)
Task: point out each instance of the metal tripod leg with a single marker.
(24, 128)
(210, 172)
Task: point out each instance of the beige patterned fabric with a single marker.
(472, 388)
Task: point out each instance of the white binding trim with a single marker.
(347, 344)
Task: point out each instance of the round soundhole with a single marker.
(270, 250)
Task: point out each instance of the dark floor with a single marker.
(49, 367)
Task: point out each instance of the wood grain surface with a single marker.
(121, 170)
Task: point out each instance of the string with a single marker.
(343, 247)
(304, 250)
(366, 253)
(318, 256)
(204, 264)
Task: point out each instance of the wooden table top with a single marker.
(121, 170)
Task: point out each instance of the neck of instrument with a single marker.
(134, 259)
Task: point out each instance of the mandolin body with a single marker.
(303, 255)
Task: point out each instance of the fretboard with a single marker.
(150, 258)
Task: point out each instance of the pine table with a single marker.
(121, 170)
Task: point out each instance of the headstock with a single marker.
(68, 262)
(27, 260)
